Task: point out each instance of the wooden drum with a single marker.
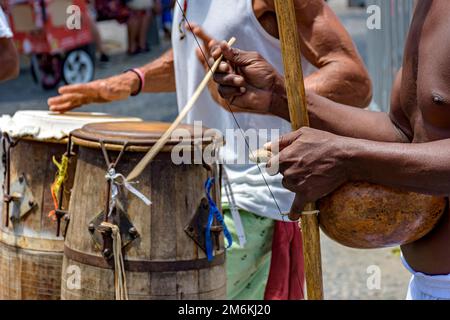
(162, 243)
(30, 251)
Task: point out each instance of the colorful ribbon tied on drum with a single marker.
(214, 212)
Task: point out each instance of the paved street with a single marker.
(345, 270)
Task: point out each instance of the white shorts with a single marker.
(426, 287)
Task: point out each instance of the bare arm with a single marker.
(363, 146)
(9, 60)
(341, 74)
(159, 77)
(160, 74)
(418, 167)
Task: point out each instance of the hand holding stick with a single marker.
(153, 152)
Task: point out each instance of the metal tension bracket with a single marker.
(196, 228)
(102, 235)
(20, 199)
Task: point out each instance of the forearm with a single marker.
(414, 167)
(344, 81)
(351, 121)
(340, 119)
(160, 74)
(9, 60)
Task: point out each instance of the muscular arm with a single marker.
(376, 147)
(341, 75)
(418, 167)
(9, 60)
(348, 121)
(159, 77)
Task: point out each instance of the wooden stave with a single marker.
(38, 245)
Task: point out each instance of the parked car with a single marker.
(57, 52)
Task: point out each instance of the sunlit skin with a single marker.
(325, 43)
(408, 148)
(9, 60)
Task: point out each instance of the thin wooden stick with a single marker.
(295, 87)
(151, 154)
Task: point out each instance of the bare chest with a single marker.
(425, 89)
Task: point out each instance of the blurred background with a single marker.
(116, 37)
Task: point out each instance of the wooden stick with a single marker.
(151, 154)
(295, 87)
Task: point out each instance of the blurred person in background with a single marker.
(138, 24)
(167, 17)
(9, 58)
(96, 33)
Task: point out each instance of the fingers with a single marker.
(223, 67)
(284, 141)
(63, 103)
(66, 102)
(199, 32)
(233, 55)
(296, 208)
(228, 93)
(229, 79)
(273, 165)
(201, 58)
(82, 88)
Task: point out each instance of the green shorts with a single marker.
(248, 267)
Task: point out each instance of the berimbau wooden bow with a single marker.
(295, 87)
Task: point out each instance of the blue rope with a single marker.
(214, 212)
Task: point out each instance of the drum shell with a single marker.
(31, 253)
(365, 216)
(176, 192)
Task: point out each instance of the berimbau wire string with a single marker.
(228, 104)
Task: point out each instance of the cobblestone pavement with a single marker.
(345, 270)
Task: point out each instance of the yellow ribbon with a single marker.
(61, 174)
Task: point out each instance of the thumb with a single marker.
(296, 208)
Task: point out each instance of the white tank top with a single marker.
(223, 19)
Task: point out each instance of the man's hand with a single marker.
(204, 56)
(100, 91)
(249, 82)
(313, 163)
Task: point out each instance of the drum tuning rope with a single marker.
(114, 182)
(120, 279)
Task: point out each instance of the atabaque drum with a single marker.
(363, 215)
(171, 248)
(33, 145)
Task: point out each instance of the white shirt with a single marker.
(223, 19)
(5, 31)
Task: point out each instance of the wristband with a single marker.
(141, 77)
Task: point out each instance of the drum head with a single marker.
(46, 125)
(141, 134)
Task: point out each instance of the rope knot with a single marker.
(120, 280)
